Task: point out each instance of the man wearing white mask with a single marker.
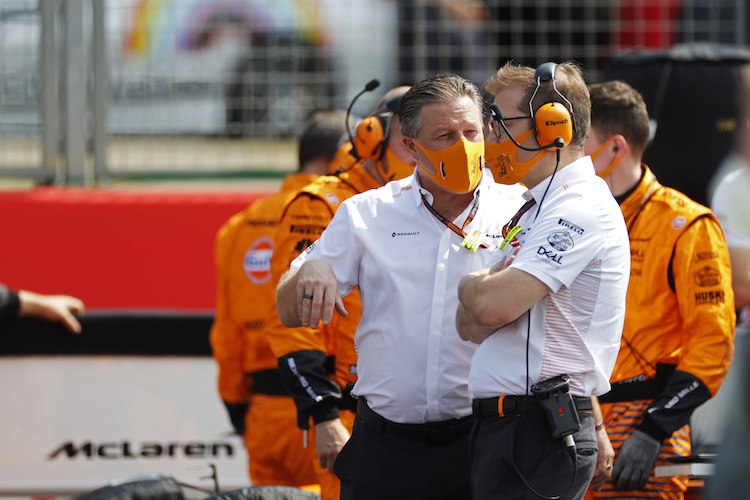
(406, 247)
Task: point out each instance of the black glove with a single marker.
(635, 461)
(237, 412)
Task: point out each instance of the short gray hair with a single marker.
(439, 88)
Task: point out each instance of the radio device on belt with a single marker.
(558, 407)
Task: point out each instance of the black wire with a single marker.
(573, 455)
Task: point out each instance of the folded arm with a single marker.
(494, 297)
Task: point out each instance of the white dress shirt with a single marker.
(578, 246)
(412, 367)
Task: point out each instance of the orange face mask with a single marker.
(396, 169)
(502, 160)
(458, 167)
(604, 173)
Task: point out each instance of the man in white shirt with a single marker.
(550, 311)
(406, 246)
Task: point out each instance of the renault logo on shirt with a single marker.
(413, 233)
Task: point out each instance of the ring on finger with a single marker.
(307, 296)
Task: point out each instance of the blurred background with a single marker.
(94, 91)
(130, 130)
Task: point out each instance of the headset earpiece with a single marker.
(371, 136)
(553, 122)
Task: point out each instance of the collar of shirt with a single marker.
(485, 182)
(643, 191)
(568, 175)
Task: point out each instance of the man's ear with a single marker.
(619, 146)
(410, 145)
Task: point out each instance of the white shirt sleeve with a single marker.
(561, 243)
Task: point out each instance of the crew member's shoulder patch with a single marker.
(678, 222)
(257, 261)
(333, 199)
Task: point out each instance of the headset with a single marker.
(371, 138)
(554, 124)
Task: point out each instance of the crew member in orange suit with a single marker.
(259, 408)
(319, 367)
(678, 339)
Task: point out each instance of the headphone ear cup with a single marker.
(553, 121)
(370, 137)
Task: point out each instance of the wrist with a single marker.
(28, 304)
(599, 427)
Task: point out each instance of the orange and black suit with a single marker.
(318, 366)
(678, 339)
(249, 382)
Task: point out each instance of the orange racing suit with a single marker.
(249, 383)
(678, 338)
(318, 366)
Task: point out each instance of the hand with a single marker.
(318, 294)
(330, 438)
(504, 263)
(604, 459)
(468, 329)
(55, 308)
(635, 461)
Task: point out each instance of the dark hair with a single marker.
(322, 136)
(617, 108)
(439, 88)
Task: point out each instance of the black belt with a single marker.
(517, 404)
(433, 432)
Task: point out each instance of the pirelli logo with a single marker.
(306, 230)
(712, 297)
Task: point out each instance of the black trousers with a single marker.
(543, 462)
(378, 465)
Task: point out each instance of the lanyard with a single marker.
(471, 241)
(512, 228)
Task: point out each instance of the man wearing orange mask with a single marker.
(404, 247)
(548, 312)
(678, 338)
(318, 367)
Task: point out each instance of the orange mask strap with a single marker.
(604, 173)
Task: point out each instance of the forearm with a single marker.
(468, 329)
(671, 409)
(493, 298)
(286, 300)
(305, 378)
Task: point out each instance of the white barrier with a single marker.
(70, 424)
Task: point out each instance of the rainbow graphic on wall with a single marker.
(164, 26)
